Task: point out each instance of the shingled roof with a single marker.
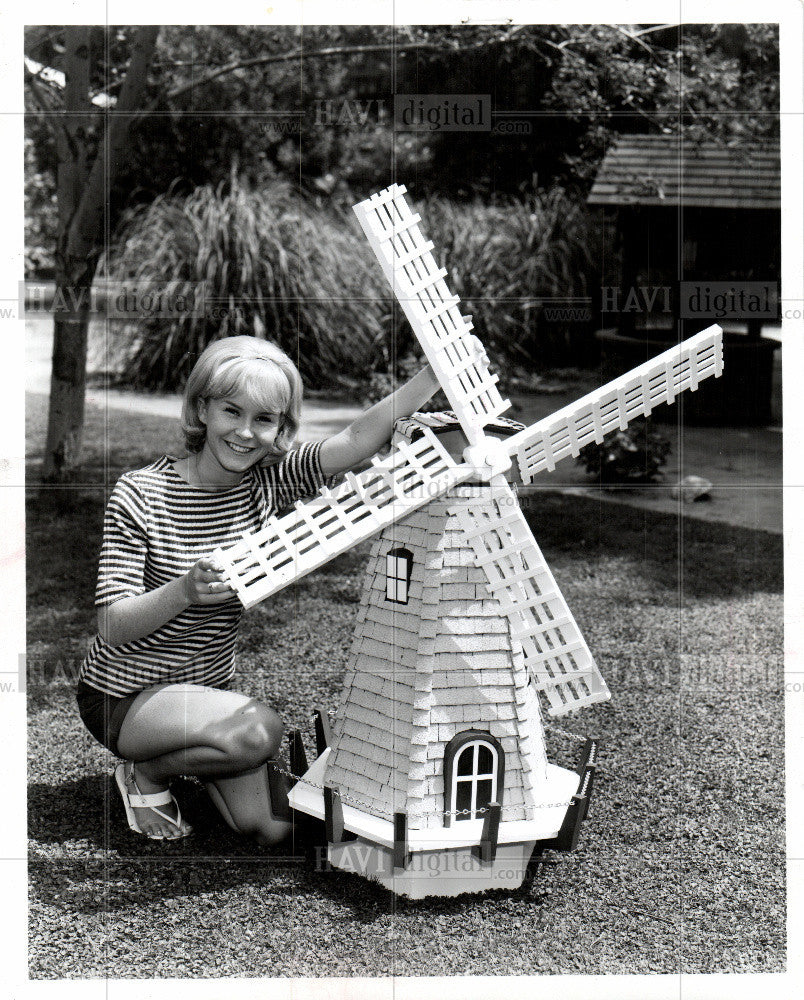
(421, 673)
(672, 170)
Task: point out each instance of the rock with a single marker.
(692, 488)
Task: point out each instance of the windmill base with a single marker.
(434, 873)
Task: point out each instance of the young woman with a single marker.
(154, 687)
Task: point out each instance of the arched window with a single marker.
(474, 768)
(398, 567)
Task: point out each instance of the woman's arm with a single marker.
(134, 617)
(371, 430)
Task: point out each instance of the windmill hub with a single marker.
(489, 458)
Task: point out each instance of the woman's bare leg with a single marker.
(245, 802)
(223, 737)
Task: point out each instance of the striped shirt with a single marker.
(156, 527)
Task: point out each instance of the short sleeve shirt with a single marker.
(156, 527)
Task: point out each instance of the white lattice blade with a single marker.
(455, 355)
(323, 527)
(634, 394)
(557, 657)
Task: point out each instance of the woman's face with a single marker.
(239, 434)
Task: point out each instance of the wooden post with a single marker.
(323, 734)
(588, 754)
(486, 850)
(401, 853)
(587, 766)
(278, 787)
(590, 773)
(333, 815)
(567, 837)
(298, 758)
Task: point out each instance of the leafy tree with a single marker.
(41, 214)
(717, 82)
(582, 85)
(84, 166)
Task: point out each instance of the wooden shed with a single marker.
(676, 215)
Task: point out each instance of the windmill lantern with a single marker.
(436, 779)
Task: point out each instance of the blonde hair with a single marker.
(257, 367)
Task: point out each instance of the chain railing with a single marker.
(366, 806)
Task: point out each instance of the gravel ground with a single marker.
(681, 862)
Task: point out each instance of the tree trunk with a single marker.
(70, 321)
(67, 381)
(83, 207)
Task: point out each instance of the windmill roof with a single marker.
(445, 421)
(671, 170)
(421, 673)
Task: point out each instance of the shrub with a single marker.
(271, 265)
(505, 258)
(276, 266)
(635, 455)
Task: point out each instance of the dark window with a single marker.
(398, 567)
(473, 775)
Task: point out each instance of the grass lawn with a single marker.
(681, 863)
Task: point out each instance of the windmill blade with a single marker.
(631, 395)
(557, 657)
(454, 353)
(328, 524)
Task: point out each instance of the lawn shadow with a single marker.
(118, 869)
(89, 810)
(705, 559)
(367, 900)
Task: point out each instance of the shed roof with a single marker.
(671, 170)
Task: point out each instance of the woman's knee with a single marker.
(253, 735)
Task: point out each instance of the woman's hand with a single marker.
(205, 583)
(134, 617)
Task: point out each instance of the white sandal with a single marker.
(132, 801)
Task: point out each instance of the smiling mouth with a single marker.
(239, 449)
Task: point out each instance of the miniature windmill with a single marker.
(436, 780)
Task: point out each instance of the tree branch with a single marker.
(337, 50)
(654, 27)
(632, 38)
(344, 50)
(87, 223)
(340, 50)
